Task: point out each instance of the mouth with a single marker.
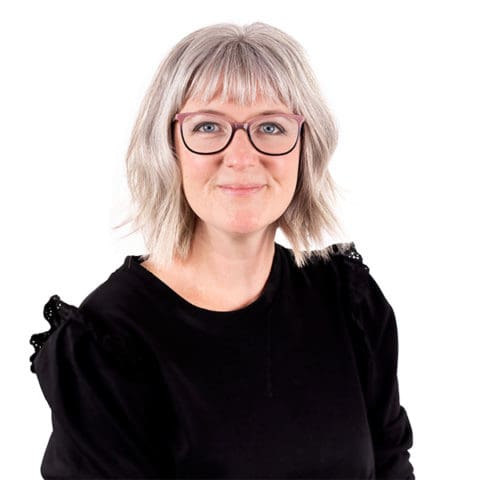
(236, 189)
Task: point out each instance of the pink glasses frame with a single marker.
(180, 117)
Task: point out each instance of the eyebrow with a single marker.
(218, 112)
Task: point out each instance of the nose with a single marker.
(240, 152)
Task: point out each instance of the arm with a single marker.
(390, 427)
(109, 416)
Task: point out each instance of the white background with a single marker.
(402, 80)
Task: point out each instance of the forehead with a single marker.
(234, 109)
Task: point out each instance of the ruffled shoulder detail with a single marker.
(356, 278)
(349, 250)
(56, 312)
(120, 349)
(355, 273)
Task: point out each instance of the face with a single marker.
(206, 178)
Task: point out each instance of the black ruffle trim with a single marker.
(56, 312)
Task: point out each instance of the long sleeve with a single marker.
(373, 331)
(390, 427)
(108, 415)
(391, 431)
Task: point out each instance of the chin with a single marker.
(239, 224)
(244, 229)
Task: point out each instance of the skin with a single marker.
(233, 245)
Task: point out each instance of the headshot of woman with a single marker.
(220, 353)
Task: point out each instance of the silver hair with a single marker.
(239, 63)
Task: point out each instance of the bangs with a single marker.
(237, 73)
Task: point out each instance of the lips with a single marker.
(241, 189)
(242, 185)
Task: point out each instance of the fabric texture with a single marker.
(301, 383)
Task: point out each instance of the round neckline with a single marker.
(156, 285)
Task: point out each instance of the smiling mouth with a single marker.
(240, 190)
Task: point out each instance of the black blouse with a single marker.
(301, 383)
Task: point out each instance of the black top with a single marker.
(301, 383)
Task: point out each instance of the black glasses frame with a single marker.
(180, 117)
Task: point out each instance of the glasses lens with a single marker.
(274, 134)
(205, 133)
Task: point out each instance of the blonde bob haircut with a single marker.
(239, 63)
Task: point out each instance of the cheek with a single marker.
(196, 173)
(290, 172)
(194, 168)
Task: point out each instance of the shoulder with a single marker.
(350, 269)
(104, 318)
(342, 268)
(368, 308)
(112, 294)
(341, 262)
(119, 302)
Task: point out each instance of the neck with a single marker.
(237, 263)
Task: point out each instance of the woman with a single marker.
(220, 353)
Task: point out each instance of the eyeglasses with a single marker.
(208, 133)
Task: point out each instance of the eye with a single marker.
(271, 128)
(207, 127)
